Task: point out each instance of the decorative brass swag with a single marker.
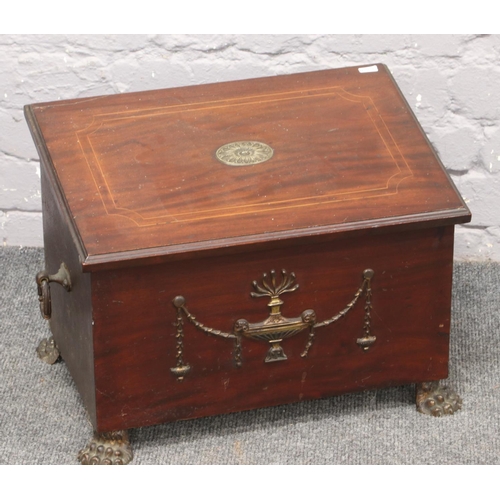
(276, 327)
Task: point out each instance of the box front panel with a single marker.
(138, 328)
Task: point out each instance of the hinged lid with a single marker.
(169, 172)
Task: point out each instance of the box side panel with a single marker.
(71, 321)
(135, 327)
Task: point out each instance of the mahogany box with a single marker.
(224, 247)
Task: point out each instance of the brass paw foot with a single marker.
(47, 351)
(432, 399)
(108, 448)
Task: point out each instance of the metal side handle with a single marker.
(43, 280)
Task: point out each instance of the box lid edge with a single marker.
(156, 255)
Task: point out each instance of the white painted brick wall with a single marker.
(451, 82)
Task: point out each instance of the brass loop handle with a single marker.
(44, 299)
(43, 280)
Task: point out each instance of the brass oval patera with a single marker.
(244, 153)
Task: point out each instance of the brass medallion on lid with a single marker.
(244, 153)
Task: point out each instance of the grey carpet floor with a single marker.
(42, 420)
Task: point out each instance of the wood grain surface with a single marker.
(141, 179)
(134, 331)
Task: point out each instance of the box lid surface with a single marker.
(159, 172)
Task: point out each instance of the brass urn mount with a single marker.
(276, 327)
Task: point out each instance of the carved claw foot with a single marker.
(108, 448)
(47, 351)
(432, 399)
